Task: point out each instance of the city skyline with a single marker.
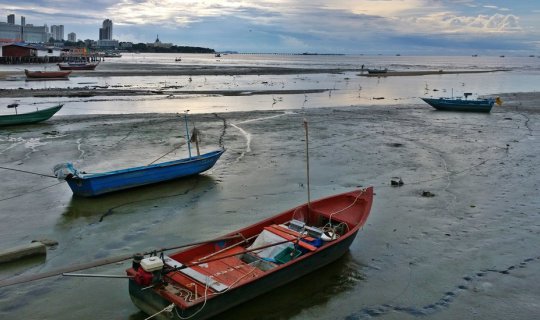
(339, 26)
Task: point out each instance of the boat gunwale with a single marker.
(62, 74)
(53, 110)
(209, 155)
(77, 66)
(451, 101)
(483, 105)
(352, 232)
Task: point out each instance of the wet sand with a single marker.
(412, 73)
(111, 69)
(469, 251)
(93, 92)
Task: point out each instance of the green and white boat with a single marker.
(29, 117)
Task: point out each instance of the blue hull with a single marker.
(89, 185)
(460, 105)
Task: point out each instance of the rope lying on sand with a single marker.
(24, 171)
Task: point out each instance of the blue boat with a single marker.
(458, 104)
(94, 184)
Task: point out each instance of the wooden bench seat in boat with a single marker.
(219, 274)
(290, 235)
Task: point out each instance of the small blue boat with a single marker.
(458, 104)
(94, 184)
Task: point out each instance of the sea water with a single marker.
(347, 88)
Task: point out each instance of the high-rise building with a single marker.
(22, 32)
(105, 32)
(72, 37)
(10, 31)
(57, 32)
(34, 34)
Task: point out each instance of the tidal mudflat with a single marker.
(456, 240)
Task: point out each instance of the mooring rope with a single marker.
(168, 308)
(24, 171)
(175, 148)
(31, 191)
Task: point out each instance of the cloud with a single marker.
(293, 42)
(281, 25)
(451, 23)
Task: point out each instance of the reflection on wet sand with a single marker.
(102, 206)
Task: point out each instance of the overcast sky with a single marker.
(323, 26)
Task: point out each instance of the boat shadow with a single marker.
(104, 205)
(316, 288)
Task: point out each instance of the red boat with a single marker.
(46, 75)
(77, 66)
(207, 279)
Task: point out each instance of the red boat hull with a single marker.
(349, 209)
(47, 74)
(77, 66)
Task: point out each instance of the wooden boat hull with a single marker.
(67, 66)
(153, 300)
(89, 185)
(460, 105)
(30, 117)
(150, 303)
(47, 75)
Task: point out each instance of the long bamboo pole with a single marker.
(187, 134)
(307, 165)
(97, 263)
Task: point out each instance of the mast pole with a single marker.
(187, 134)
(307, 164)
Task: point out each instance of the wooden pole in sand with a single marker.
(307, 164)
(187, 134)
(195, 138)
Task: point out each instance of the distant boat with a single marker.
(178, 59)
(218, 55)
(207, 279)
(94, 184)
(78, 66)
(377, 71)
(458, 104)
(46, 75)
(30, 117)
(112, 55)
(475, 55)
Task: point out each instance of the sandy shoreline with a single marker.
(92, 92)
(132, 70)
(122, 70)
